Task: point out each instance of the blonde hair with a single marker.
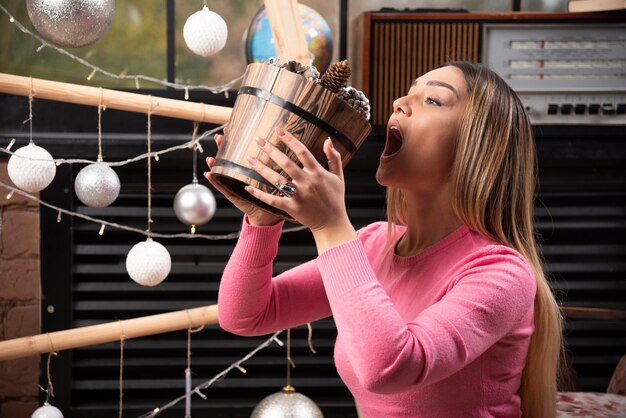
(493, 180)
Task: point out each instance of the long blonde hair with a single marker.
(493, 181)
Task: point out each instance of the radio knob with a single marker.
(566, 109)
(594, 109)
(579, 109)
(608, 109)
(621, 108)
(553, 109)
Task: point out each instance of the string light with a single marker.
(193, 229)
(90, 76)
(10, 195)
(59, 217)
(155, 154)
(236, 365)
(213, 89)
(232, 235)
(101, 232)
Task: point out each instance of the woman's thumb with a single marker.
(334, 158)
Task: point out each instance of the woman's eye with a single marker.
(432, 101)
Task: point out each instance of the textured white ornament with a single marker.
(27, 170)
(194, 204)
(148, 263)
(205, 32)
(47, 411)
(286, 404)
(97, 185)
(71, 23)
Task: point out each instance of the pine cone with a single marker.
(336, 77)
(356, 99)
(307, 71)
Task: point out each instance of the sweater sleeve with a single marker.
(251, 302)
(490, 295)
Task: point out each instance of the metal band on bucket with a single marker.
(243, 170)
(296, 110)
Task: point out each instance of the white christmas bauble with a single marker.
(71, 23)
(47, 411)
(97, 185)
(287, 404)
(194, 204)
(148, 263)
(27, 170)
(205, 32)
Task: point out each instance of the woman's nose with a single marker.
(400, 106)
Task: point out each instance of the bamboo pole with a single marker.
(109, 332)
(286, 26)
(113, 99)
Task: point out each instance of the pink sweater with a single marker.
(443, 333)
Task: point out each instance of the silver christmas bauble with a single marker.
(31, 168)
(194, 204)
(148, 263)
(287, 404)
(97, 185)
(47, 411)
(71, 23)
(205, 32)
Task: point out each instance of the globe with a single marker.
(259, 42)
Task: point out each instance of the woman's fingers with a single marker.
(304, 155)
(219, 138)
(279, 158)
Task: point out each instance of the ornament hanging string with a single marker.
(188, 381)
(195, 151)
(122, 338)
(101, 107)
(53, 352)
(149, 165)
(31, 94)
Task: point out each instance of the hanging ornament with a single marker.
(47, 411)
(31, 168)
(148, 263)
(194, 204)
(287, 404)
(97, 185)
(205, 32)
(71, 23)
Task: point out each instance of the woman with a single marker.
(444, 310)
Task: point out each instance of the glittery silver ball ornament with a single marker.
(47, 411)
(205, 32)
(31, 168)
(71, 23)
(148, 263)
(194, 204)
(287, 404)
(97, 185)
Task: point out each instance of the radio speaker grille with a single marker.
(402, 51)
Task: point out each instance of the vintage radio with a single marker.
(566, 68)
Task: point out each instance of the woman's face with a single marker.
(421, 132)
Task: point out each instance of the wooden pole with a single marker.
(113, 99)
(109, 332)
(286, 25)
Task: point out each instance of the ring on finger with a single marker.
(287, 189)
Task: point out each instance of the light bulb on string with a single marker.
(10, 194)
(101, 232)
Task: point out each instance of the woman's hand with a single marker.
(319, 198)
(256, 216)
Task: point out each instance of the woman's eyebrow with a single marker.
(438, 83)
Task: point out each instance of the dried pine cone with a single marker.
(356, 99)
(336, 77)
(307, 71)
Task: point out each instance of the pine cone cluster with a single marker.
(306, 71)
(336, 77)
(356, 99)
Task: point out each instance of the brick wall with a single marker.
(19, 299)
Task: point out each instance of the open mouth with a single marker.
(394, 141)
